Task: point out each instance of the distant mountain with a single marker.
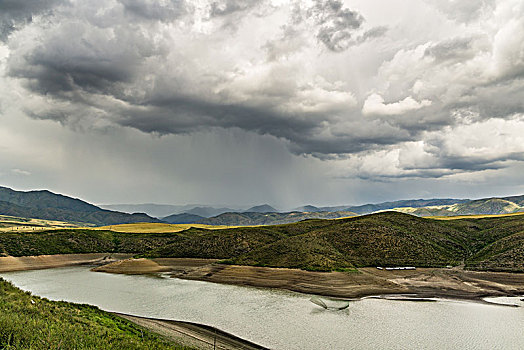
(412, 203)
(183, 218)
(164, 210)
(264, 208)
(44, 199)
(310, 209)
(267, 215)
(254, 218)
(51, 206)
(519, 200)
(207, 212)
(376, 207)
(155, 210)
(486, 206)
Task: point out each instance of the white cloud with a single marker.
(374, 104)
(21, 172)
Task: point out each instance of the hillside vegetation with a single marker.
(382, 239)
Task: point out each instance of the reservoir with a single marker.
(287, 320)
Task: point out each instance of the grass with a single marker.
(151, 227)
(17, 224)
(30, 322)
(458, 217)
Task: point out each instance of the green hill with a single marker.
(382, 239)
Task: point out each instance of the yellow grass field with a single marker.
(472, 216)
(15, 224)
(146, 227)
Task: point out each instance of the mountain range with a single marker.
(255, 218)
(417, 207)
(163, 210)
(51, 206)
(44, 204)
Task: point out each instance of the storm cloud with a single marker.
(15, 14)
(365, 88)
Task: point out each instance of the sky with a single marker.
(248, 102)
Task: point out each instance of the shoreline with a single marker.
(187, 333)
(454, 283)
(420, 285)
(37, 262)
(423, 283)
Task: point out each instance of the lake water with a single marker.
(286, 320)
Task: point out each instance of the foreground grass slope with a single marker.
(383, 239)
(30, 322)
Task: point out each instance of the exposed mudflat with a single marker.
(21, 263)
(145, 266)
(424, 282)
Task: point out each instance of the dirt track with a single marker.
(192, 334)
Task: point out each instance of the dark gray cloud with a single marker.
(337, 24)
(17, 13)
(155, 10)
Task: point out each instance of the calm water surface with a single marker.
(285, 320)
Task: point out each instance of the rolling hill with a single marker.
(382, 239)
(435, 207)
(413, 203)
(51, 206)
(254, 218)
(184, 218)
(487, 206)
(264, 208)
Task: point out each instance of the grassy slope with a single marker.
(17, 224)
(80, 241)
(479, 216)
(386, 239)
(30, 322)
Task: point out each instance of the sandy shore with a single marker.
(193, 334)
(12, 263)
(453, 283)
